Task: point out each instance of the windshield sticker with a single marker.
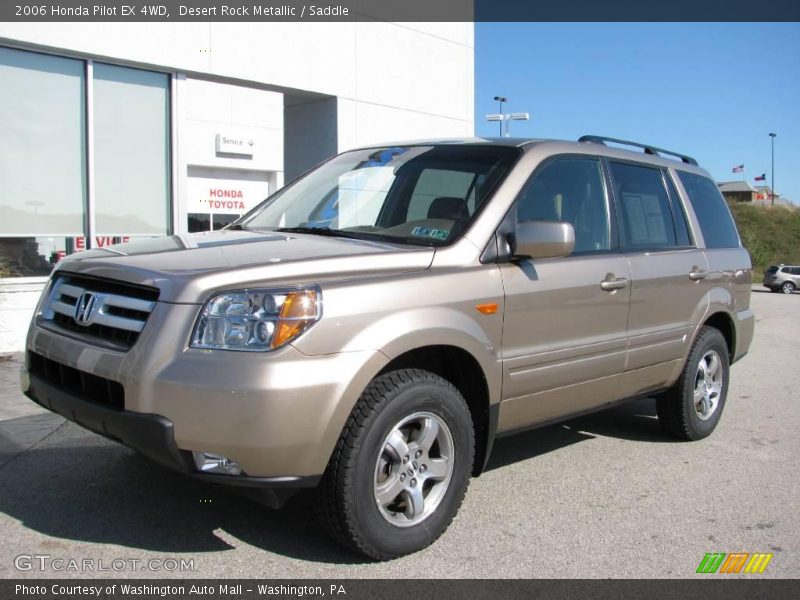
(437, 234)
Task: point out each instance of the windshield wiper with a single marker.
(327, 231)
(359, 235)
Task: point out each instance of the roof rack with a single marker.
(599, 139)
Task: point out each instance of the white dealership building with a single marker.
(116, 130)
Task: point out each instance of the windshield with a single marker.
(411, 194)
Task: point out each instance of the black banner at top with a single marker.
(397, 10)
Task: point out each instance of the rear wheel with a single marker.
(691, 409)
(401, 466)
(787, 287)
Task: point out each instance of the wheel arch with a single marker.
(723, 322)
(465, 372)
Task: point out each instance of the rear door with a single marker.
(668, 274)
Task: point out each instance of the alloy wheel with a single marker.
(708, 385)
(414, 469)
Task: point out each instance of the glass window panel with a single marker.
(223, 220)
(570, 190)
(439, 183)
(42, 147)
(681, 228)
(351, 190)
(199, 222)
(644, 206)
(716, 223)
(131, 150)
(360, 196)
(31, 256)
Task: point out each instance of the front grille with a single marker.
(91, 388)
(109, 311)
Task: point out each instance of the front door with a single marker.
(564, 333)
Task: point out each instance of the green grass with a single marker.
(771, 235)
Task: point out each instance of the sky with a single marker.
(713, 91)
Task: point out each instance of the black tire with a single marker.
(787, 287)
(678, 412)
(347, 500)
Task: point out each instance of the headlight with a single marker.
(256, 320)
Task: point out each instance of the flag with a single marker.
(739, 169)
(761, 177)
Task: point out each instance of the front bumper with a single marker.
(278, 415)
(152, 436)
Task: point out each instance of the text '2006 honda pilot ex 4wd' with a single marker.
(371, 328)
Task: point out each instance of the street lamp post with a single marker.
(772, 140)
(505, 119)
(501, 100)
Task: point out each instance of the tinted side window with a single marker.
(569, 190)
(679, 217)
(715, 219)
(644, 206)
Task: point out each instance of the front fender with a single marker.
(389, 337)
(439, 327)
(396, 333)
(415, 311)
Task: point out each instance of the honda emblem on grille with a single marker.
(84, 309)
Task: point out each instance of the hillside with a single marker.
(772, 235)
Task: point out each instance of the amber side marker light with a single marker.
(487, 309)
(298, 312)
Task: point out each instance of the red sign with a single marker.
(100, 241)
(218, 193)
(231, 199)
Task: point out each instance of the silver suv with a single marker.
(370, 329)
(782, 278)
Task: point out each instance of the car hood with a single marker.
(185, 268)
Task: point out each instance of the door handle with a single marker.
(697, 274)
(610, 283)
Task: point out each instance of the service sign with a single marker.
(241, 145)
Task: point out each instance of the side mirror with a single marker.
(542, 239)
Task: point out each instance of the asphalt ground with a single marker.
(606, 495)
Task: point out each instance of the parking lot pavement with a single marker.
(23, 424)
(606, 495)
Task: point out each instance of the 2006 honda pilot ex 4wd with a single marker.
(372, 327)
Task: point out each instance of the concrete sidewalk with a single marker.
(23, 423)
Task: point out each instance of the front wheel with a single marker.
(401, 466)
(787, 287)
(691, 409)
